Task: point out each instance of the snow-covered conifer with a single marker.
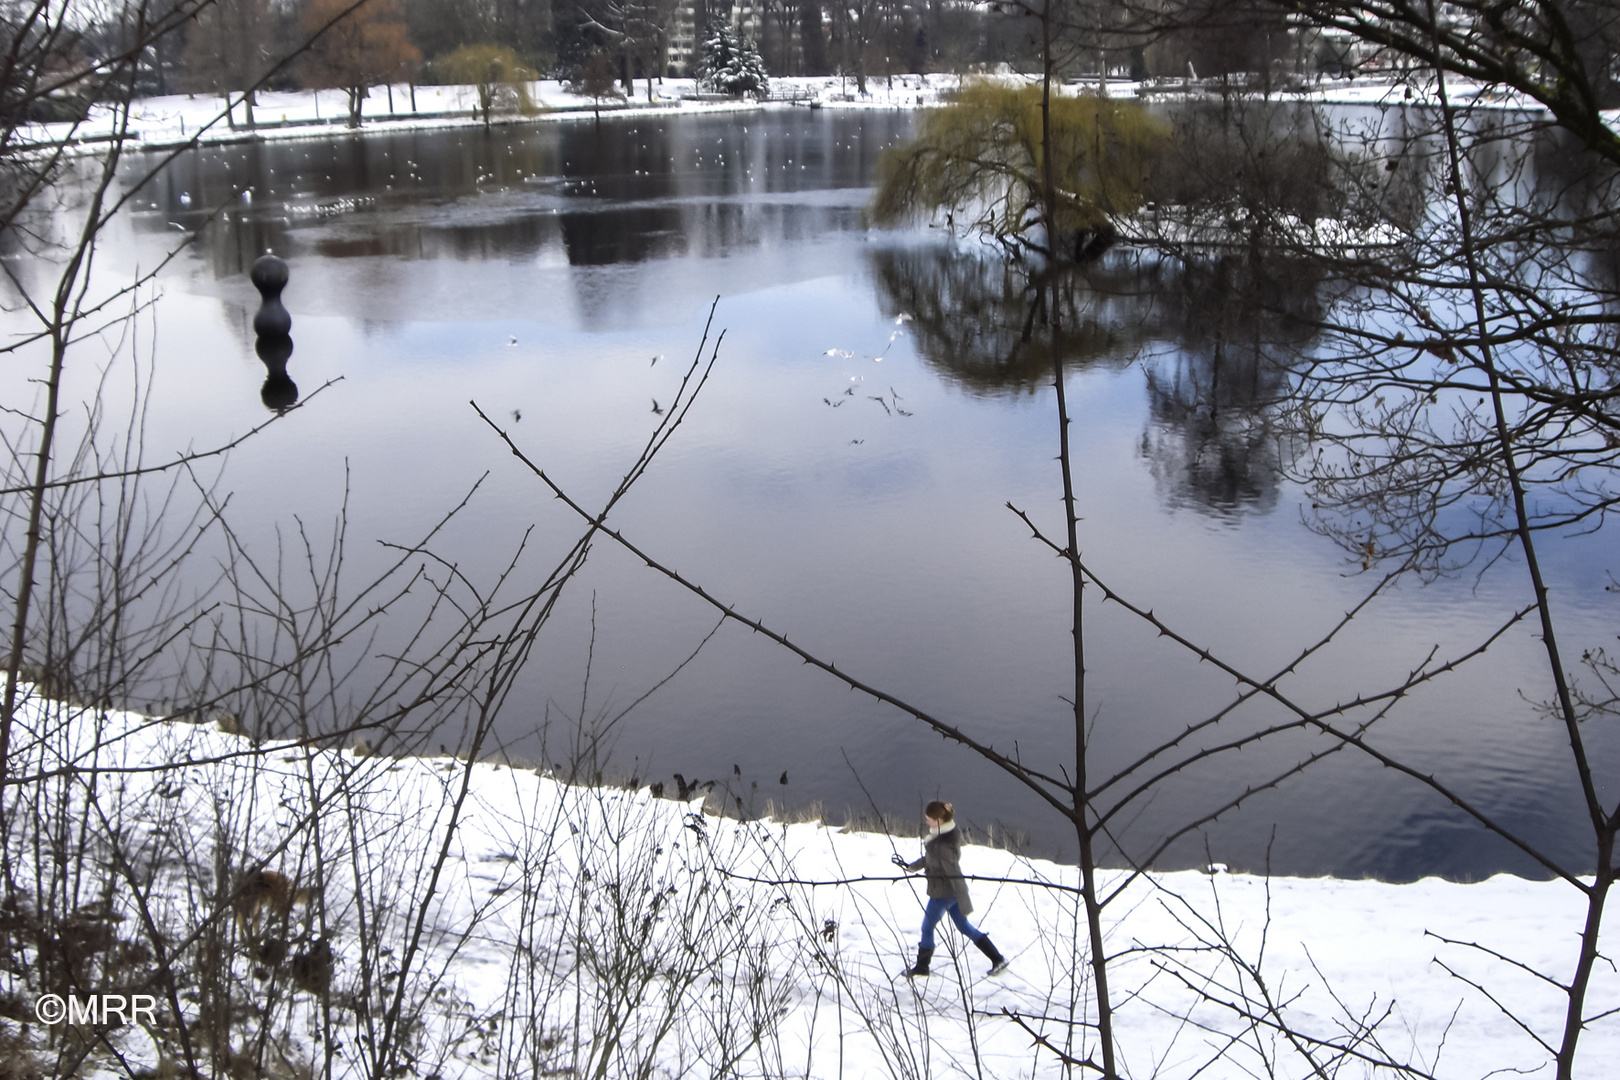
(732, 65)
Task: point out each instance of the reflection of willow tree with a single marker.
(972, 316)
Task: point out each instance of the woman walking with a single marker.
(947, 891)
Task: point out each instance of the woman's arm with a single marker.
(950, 858)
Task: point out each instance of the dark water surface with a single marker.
(844, 478)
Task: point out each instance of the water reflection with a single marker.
(627, 191)
(1213, 338)
(975, 318)
(1235, 324)
(279, 392)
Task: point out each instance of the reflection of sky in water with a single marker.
(540, 270)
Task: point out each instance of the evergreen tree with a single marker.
(732, 65)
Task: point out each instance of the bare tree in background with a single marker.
(228, 50)
(636, 31)
(355, 47)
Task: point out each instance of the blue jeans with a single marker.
(938, 906)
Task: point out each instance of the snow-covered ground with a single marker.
(174, 119)
(306, 113)
(574, 927)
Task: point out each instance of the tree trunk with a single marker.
(811, 38)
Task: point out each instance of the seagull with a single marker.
(517, 414)
(185, 198)
(655, 359)
(511, 341)
(656, 409)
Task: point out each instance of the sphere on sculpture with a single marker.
(269, 276)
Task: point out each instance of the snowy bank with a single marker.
(556, 929)
(176, 119)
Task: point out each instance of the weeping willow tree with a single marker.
(496, 72)
(981, 162)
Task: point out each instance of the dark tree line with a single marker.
(238, 44)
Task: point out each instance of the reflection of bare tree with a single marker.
(1203, 455)
(1213, 337)
(1231, 325)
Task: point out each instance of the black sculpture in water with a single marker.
(273, 325)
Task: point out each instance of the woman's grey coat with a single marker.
(942, 862)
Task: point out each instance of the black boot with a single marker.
(998, 963)
(923, 958)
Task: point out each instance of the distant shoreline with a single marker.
(180, 120)
(174, 121)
